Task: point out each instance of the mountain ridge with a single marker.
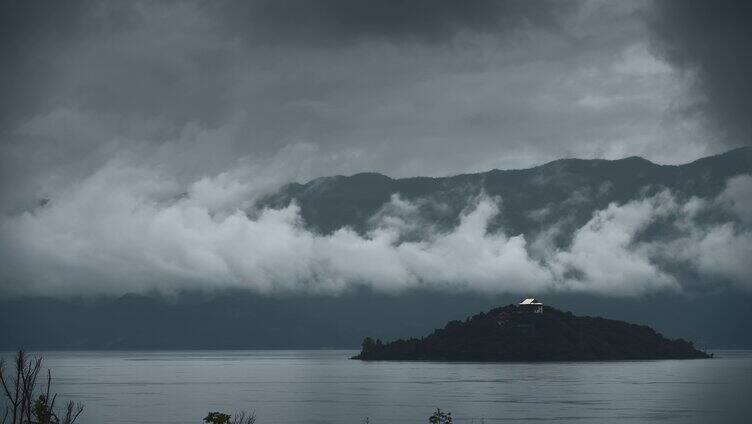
(738, 150)
(569, 187)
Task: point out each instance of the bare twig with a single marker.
(244, 418)
(21, 407)
(72, 411)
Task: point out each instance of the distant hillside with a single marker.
(513, 333)
(571, 188)
(569, 191)
(243, 320)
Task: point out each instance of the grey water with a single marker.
(326, 387)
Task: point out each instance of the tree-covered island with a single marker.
(530, 331)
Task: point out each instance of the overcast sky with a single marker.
(275, 91)
(342, 86)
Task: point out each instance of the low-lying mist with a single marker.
(127, 229)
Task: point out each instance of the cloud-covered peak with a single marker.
(127, 229)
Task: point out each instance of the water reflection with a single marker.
(326, 387)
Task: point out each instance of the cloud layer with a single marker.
(134, 137)
(127, 229)
(403, 88)
(711, 41)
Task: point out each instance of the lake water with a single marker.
(326, 387)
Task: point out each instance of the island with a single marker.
(531, 331)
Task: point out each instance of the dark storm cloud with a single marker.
(405, 88)
(712, 38)
(44, 48)
(197, 84)
(36, 34)
(421, 20)
(28, 32)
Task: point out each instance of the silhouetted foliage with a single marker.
(440, 417)
(21, 407)
(222, 418)
(217, 418)
(509, 334)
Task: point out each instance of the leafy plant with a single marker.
(217, 418)
(222, 418)
(440, 417)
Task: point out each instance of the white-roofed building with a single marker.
(531, 305)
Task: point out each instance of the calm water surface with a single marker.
(326, 387)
